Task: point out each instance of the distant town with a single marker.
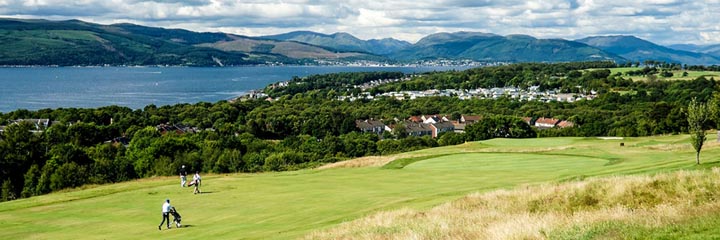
(533, 93)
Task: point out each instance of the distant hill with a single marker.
(491, 47)
(636, 49)
(73, 42)
(343, 42)
(713, 50)
(41, 42)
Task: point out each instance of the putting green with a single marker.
(518, 162)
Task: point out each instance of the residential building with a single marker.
(429, 119)
(528, 120)
(546, 122)
(441, 127)
(470, 119)
(459, 127)
(40, 124)
(177, 128)
(565, 124)
(370, 125)
(418, 129)
(416, 119)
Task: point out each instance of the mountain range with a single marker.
(636, 49)
(73, 42)
(344, 42)
(708, 49)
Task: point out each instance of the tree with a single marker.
(499, 127)
(8, 191)
(697, 115)
(714, 112)
(451, 138)
(31, 180)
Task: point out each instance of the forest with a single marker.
(306, 126)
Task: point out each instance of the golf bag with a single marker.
(176, 217)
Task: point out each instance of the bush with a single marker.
(229, 161)
(451, 138)
(68, 175)
(32, 177)
(8, 191)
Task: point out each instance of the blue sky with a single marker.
(660, 21)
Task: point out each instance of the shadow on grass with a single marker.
(401, 163)
(703, 164)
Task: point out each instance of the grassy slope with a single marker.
(677, 75)
(292, 204)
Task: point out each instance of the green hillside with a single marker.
(635, 49)
(511, 48)
(294, 204)
(68, 43)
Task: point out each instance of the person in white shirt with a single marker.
(196, 180)
(165, 214)
(183, 176)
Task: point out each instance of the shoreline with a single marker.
(433, 63)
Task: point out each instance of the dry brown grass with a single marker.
(370, 161)
(540, 212)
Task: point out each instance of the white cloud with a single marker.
(662, 21)
(372, 18)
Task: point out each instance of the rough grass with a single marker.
(608, 208)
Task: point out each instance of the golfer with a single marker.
(183, 176)
(165, 214)
(196, 181)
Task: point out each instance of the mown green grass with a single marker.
(292, 204)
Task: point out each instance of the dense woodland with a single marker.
(307, 126)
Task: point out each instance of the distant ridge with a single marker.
(343, 42)
(74, 42)
(713, 50)
(636, 49)
(492, 47)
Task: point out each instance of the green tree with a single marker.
(32, 176)
(499, 127)
(68, 175)
(8, 191)
(714, 112)
(697, 115)
(451, 138)
(21, 148)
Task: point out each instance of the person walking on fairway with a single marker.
(165, 214)
(196, 182)
(183, 176)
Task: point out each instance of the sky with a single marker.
(661, 21)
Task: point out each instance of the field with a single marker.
(677, 75)
(295, 204)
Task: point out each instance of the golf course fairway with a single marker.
(289, 205)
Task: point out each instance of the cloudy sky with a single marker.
(660, 21)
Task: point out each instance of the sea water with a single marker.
(36, 88)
